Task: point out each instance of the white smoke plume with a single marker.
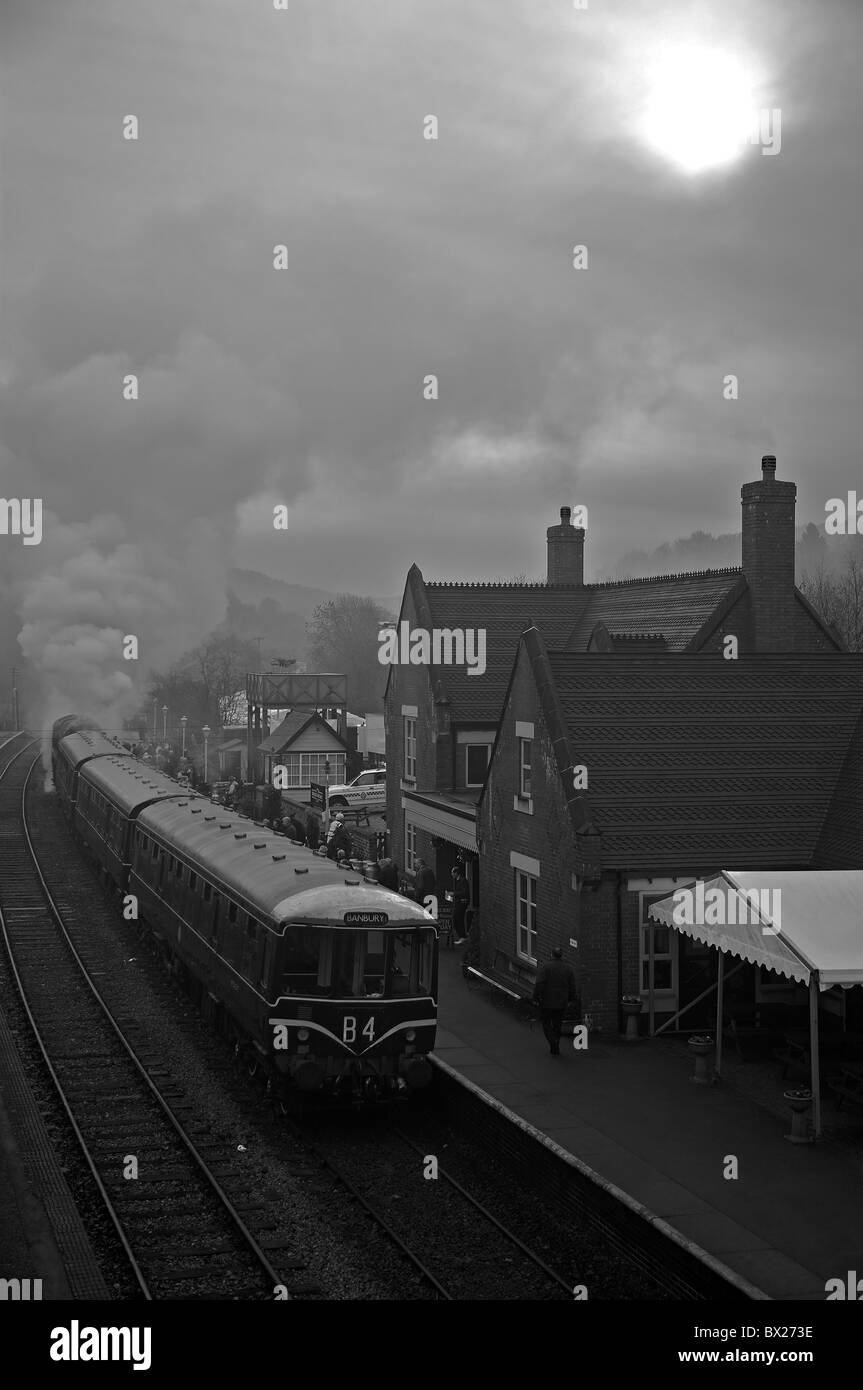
(138, 514)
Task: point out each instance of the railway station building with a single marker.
(452, 735)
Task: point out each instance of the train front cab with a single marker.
(357, 1010)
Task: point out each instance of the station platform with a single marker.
(27, 1247)
(790, 1220)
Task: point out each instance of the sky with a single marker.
(601, 386)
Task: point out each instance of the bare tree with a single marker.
(838, 598)
(342, 635)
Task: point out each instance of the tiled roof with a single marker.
(695, 760)
(292, 725)
(504, 611)
(673, 607)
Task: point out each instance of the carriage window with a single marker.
(343, 963)
(193, 882)
(208, 892)
(411, 963)
(250, 941)
(232, 912)
(301, 960)
(155, 851)
(373, 946)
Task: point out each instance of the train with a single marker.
(322, 978)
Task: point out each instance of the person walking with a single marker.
(554, 989)
(460, 901)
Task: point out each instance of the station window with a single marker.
(476, 763)
(524, 757)
(410, 845)
(410, 749)
(525, 909)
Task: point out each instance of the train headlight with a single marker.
(410, 1035)
(303, 1035)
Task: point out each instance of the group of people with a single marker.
(424, 886)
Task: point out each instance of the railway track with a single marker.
(187, 1231)
(458, 1248)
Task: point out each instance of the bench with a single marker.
(512, 980)
(850, 1087)
(792, 1054)
(508, 977)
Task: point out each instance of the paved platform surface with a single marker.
(27, 1247)
(790, 1221)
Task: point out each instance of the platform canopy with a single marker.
(798, 923)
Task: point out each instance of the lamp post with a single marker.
(206, 732)
(155, 702)
(183, 722)
(164, 723)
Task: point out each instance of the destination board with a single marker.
(366, 919)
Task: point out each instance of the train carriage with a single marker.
(327, 981)
(111, 793)
(69, 754)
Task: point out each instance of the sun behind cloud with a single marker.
(699, 106)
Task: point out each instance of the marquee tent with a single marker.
(806, 925)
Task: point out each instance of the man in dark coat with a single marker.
(460, 903)
(424, 882)
(554, 989)
(388, 874)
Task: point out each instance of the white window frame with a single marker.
(524, 881)
(664, 1000)
(469, 747)
(299, 768)
(410, 730)
(410, 845)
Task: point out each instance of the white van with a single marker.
(369, 790)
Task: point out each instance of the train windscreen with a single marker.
(364, 964)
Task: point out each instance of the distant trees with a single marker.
(207, 684)
(342, 635)
(838, 598)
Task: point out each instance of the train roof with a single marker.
(132, 785)
(279, 879)
(69, 724)
(90, 743)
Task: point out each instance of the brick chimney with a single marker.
(565, 551)
(768, 558)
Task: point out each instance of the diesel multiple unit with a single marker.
(324, 979)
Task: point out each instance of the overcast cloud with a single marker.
(407, 257)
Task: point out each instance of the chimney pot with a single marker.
(768, 467)
(565, 514)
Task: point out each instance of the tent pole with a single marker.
(813, 1052)
(651, 926)
(720, 980)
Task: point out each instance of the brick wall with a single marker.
(546, 835)
(409, 685)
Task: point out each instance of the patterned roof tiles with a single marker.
(696, 760)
